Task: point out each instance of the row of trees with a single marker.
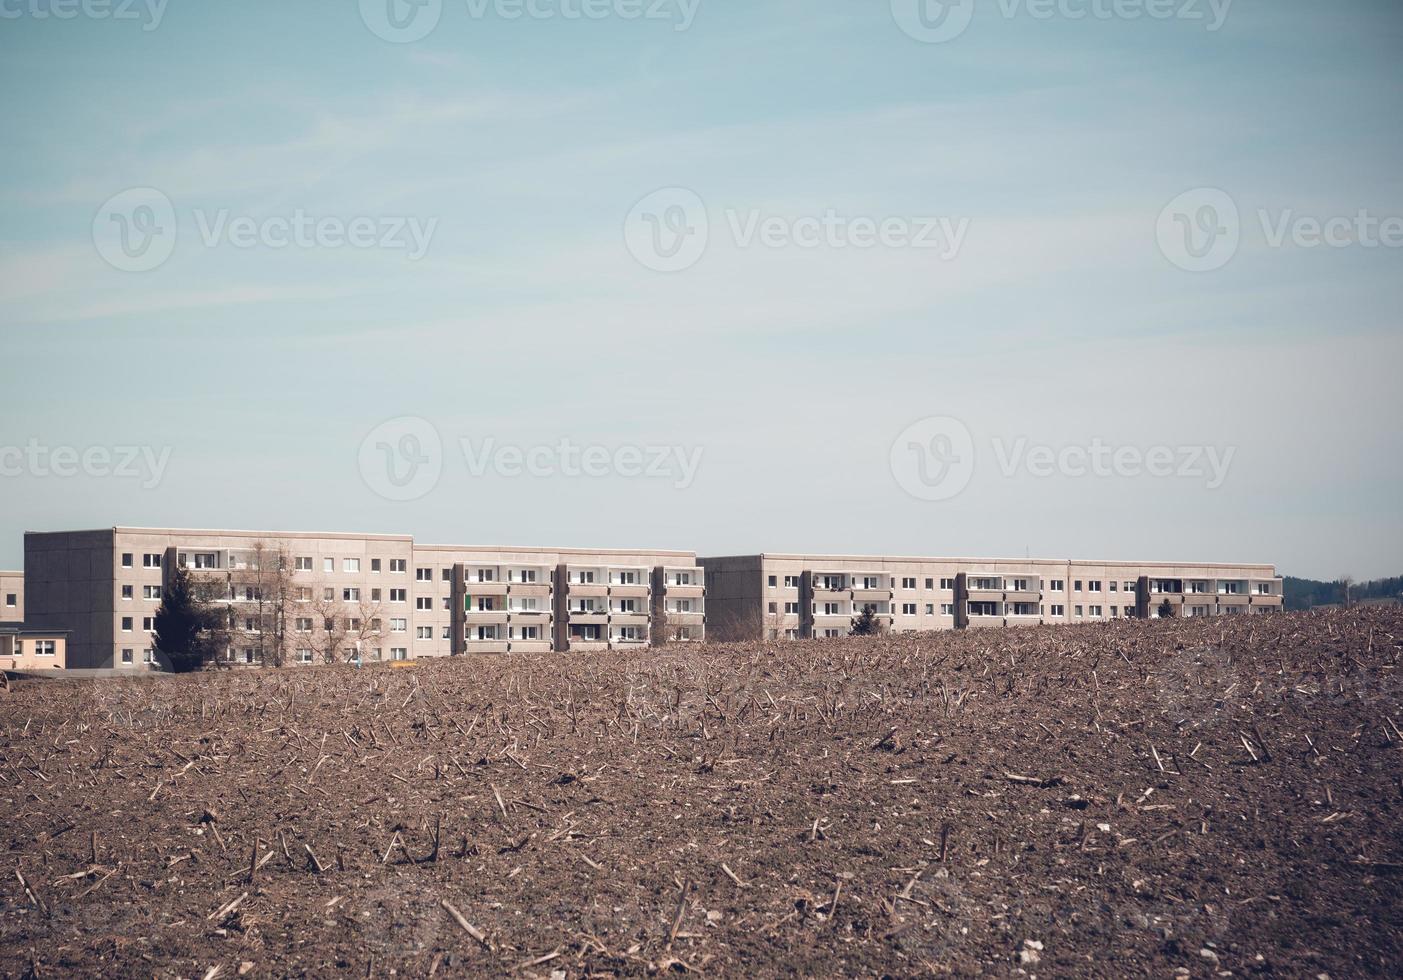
(257, 609)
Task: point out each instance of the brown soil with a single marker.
(1191, 797)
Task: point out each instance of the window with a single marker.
(947, 609)
(628, 605)
(1058, 609)
(126, 559)
(350, 595)
(791, 608)
(774, 607)
(399, 595)
(399, 625)
(908, 608)
(399, 653)
(908, 583)
(350, 564)
(1095, 610)
(832, 583)
(791, 581)
(148, 656)
(831, 609)
(947, 584)
(1263, 588)
(1093, 586)
(528, 575)
(302, 563)
(304, 595)
(148, 623)
(1057, 585)
(399, 565)
(127, 591)
(304, 624)
(304, 656)
(1078, 585)
(328, 594)
(328, 564)
(126, 656)
(530, 632)
(424, 632)
(684, 578)
(45, 648)
(930, 609)
(151, 561)
(930, 584)
(1113, 586)
(774, 579)
(628, 578)
(1129, 586)
(584, 578)
(1077, 610)
(424, 602)
(375, 565)
(374, 595)
(126, 624)
(151, 592)
(1115, 611)
(1020, 585)
(983, 608)
(423, 574)
(11, 599)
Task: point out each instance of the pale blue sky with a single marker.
(1059, 322)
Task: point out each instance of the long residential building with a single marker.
(11, 597)
(315, 598)
(804, 596)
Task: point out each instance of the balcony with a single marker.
(479, 617)
(486, 646)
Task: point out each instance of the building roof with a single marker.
(20, 629)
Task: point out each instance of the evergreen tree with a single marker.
(867, 623)
(1166, 610)
(182, 624)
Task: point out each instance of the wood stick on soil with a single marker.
(467, 926)
(732, 875)
(32, 892)
(681, 908)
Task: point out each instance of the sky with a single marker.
(1063, 278)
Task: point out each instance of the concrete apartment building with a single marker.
(383, 597)
(805, 596)
(11, 597)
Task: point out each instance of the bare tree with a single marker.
(1346, 583)
(329, 628)
(364, 631)
(261, 594)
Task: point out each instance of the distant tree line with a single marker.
(1304, 593)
